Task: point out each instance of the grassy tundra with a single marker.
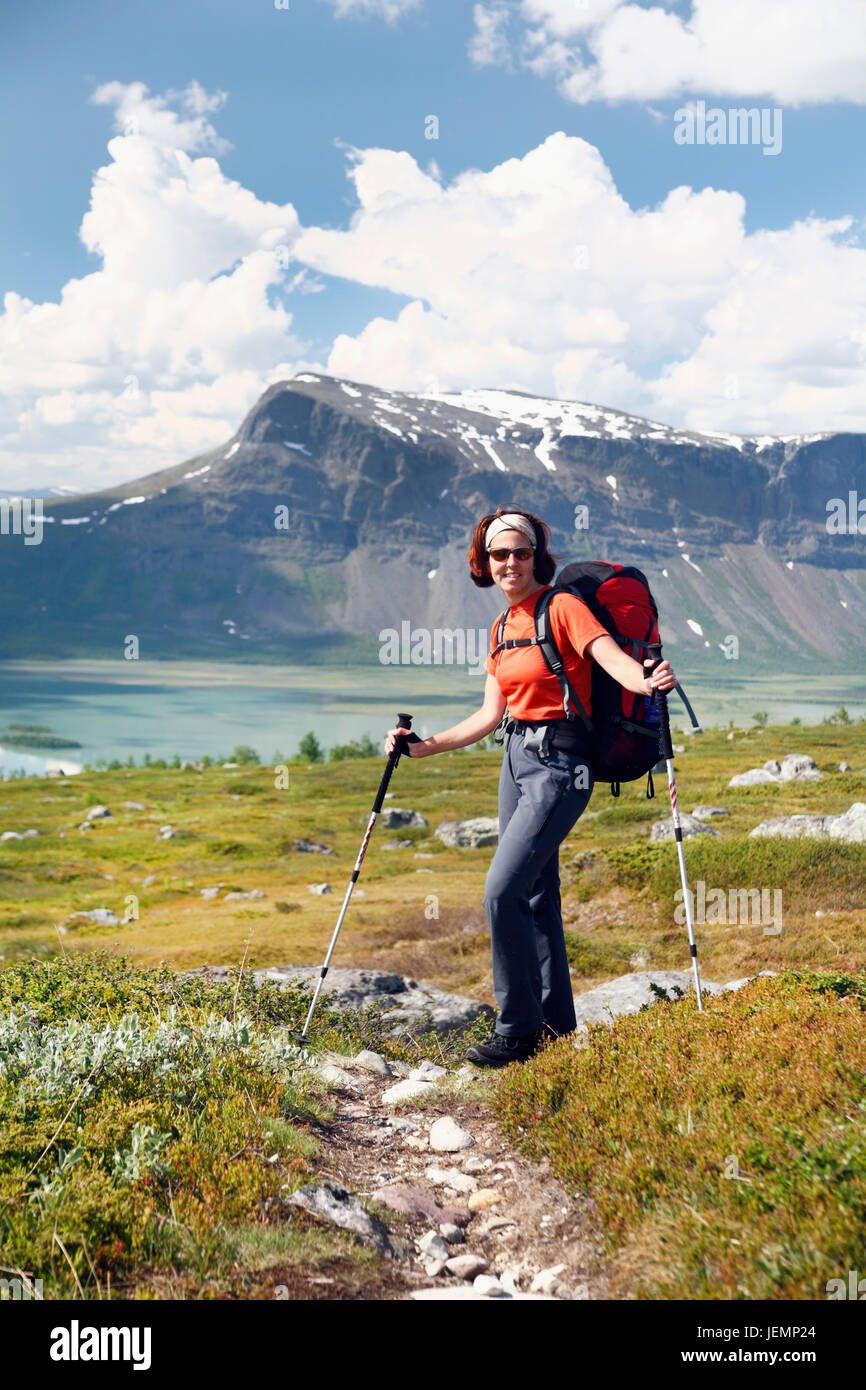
(149, 1124)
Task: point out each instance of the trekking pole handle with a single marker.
(404, 721)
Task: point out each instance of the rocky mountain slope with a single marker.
(339, 509)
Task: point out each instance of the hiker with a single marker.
(546, 779)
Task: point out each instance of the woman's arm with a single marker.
(628, 672)
(470, 730)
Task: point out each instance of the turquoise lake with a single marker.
(161, 708)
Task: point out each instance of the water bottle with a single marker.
(650, 710)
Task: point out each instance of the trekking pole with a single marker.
(667, 752)
(404, 721)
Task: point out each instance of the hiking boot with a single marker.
(500, 1051)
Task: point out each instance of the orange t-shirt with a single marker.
(521, 673)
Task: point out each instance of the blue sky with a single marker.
(760, 334)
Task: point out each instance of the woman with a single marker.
(543, 787)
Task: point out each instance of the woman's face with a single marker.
(513, 576)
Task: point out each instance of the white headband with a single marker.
(511, 521)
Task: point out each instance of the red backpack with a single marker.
(624, 726)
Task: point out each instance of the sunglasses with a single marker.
(523, 552)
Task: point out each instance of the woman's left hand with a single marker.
(662, 678)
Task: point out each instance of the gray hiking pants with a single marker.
(540, 799)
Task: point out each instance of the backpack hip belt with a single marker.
(543, 734)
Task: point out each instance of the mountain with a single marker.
(41, 492)
(381, 490)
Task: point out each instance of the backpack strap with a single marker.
(682, 695)
(501, 730)
(553, 659)
(512, 641)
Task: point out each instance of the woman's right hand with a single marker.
(391, 741)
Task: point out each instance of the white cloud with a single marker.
(159, 352)
(152, 117)
(489, 44)
(384, 9)
(537, 275)
(792, 51)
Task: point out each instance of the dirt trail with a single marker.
(535, 1226)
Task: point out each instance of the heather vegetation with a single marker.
(726, 1149)
(153, 1124)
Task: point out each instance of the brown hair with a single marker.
(544, 567)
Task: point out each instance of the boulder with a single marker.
(339, 1077)
(97, 813)
(406, 1090)
(753, 777)
(849, 827)
(629, 993)
(412, 1202)
(466, 1266)
(451, 1233)
(485, 1197)
(488, 1286)
(547, 1280)
(407, 1004)
(459, 1293)
(433, 1246)
(794, 767)
(453, 1178)
(333, 1202)
(664, 829)
(393, 817)
(791, 828)
(705, 812)
(799, 767)
(311, 847)
(103, 917)
(371, 1061)
(427, 1071)
(469, 834)
(447, 1136)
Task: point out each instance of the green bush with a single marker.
(310, 749)
(353, 749)
(244, 754)
(725, 1150)
(634, 866)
